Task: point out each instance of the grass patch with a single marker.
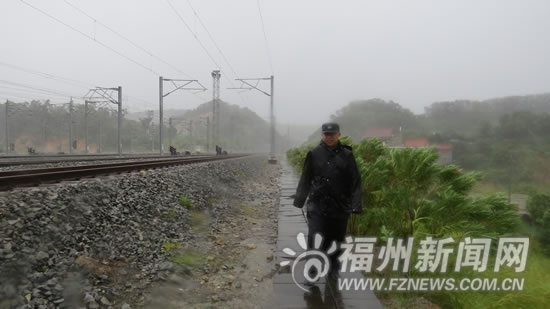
(248, 210)
(185, 202)
(198, 218)
(188, 257)
(170, 247)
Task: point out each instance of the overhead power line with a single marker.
(90, 37)
(212, 39)
(143, 49)
(30, 92)
(265, 37)
(65, 80)
(37, 89)
(202, 45)
(193, 33)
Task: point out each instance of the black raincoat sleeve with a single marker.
(305, 182)
(356, 206)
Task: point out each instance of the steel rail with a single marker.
(86, 159)
(34, 177)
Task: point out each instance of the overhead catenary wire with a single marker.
(33, 91)
(193, 33)
(7, 95)
(217, 47)
(75, 82)
(202, 46)
(98, 42)
(212, 39)
(65, 80)
(90, 37)
(143, 49)
(27, 98)
(265, 37)
(37, 89)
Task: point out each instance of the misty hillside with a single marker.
(241, 129)
(45, 127)
(466, 115)
(167, 114)
(462, 117)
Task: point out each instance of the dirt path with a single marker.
(229, 263)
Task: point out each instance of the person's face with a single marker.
(331, 139)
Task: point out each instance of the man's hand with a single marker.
(295, 203)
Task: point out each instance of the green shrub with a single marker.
(537, 205)
(406, 193)
(185, 202)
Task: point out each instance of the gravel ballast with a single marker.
(65, 245)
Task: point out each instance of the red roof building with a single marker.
(416, 142)
(444, 147)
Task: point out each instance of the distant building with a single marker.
(385, 134)
(416, 142)
(445, 150)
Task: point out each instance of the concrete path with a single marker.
(325, 293)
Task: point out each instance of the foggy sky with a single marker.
(324, 53)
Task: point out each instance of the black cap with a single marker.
(330, 127)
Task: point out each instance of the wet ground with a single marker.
(230, 262)
(233, 261)
(324, 294)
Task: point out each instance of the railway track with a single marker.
(34, 177)
(79, 158)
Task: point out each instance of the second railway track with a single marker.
(25, 160)
(34, 177)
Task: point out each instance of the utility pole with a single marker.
(216, 107)
(161, 119)
(191, 131)
(248, 84)
(170, 131)
(6, 139)
(71, 126)
(100, 95)
(119, 124)
(272, 154)
(46, 124)
(207, 133)
(86, 125)
(99, 135)
(182, 86)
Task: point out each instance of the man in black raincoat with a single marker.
(331, 180)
